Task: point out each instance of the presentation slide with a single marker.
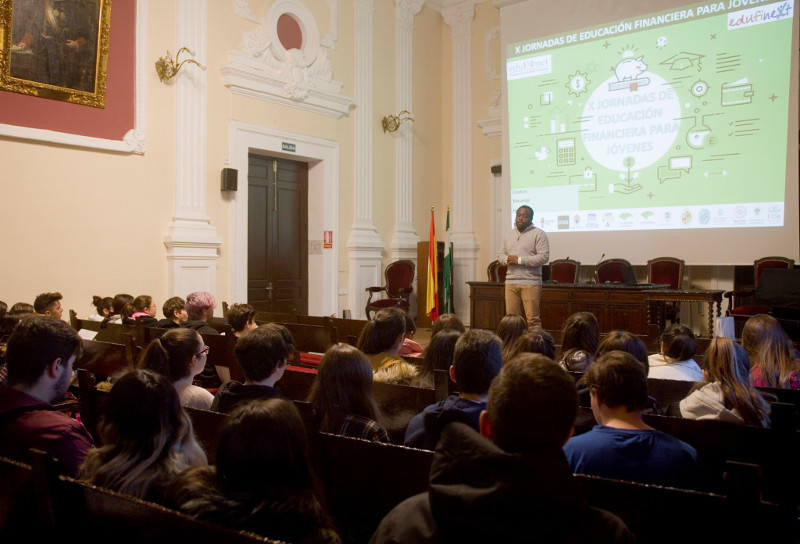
(672, 120)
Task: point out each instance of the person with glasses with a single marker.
(180, 355)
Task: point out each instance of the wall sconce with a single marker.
(392, 122)
(168, 68)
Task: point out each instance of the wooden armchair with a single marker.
(399, 279)
(496, 272)
(735, 307)
(564, 271)
(610, 271)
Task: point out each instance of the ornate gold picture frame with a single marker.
(56, 49)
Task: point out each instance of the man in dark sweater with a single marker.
(510, 482)
(262, 354)
(477, 359)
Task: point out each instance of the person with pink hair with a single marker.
(200, 308)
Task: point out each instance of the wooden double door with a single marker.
(277, 255)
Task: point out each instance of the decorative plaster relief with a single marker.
(262, 68)
(492, 36)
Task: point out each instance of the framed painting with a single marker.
(56, 49)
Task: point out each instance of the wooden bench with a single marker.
(36, 504)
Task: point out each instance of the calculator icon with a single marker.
(566, 152)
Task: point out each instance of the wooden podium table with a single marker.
(659, 298)
(632, 308)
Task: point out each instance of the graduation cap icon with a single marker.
(683, 60)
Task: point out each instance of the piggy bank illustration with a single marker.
(629, 69)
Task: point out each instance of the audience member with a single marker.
(117, 305)
(510, 328)
(725, 394)
(438, 356)
(262, 355)
(627, 342)
(3, 309)
(199, 308)
(174, 311)
(774, 359)
(476, 361)
(103, 309)
(676, 360)
(180, 355)
(380, 340)
(533, 341)
(19, 311)
(262, 482)
(49, 304)
(510, 483)
(242, 318)
(447, 321)
(341, 395)
(143, 307)
(579, 341)
(147, 438)
(622, 446)
(409, 348)
(39, 357)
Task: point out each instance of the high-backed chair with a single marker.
(496, 272)
(759, 265)
(610, 271)
(564, 271)
(669, 271)
(399, 276)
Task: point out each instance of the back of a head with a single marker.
(171, 354)
(679, 342)
(440, 350)
(720, 361)
(532, 402)
(770, 349)
(343, 384)
(45, 301)
(119, 301)
(172, 306)
(535, 341)
(20, 310)
(510, 328)
(239, 315)
(198, 302)
(263, 446)
(261, 351)
(618, 379)
(142, 302)
(476, 361)
(447, 321)
(581, 331)
(381, 333)
(142, 413)
(102, 303)
(624, 341)
(36, 342)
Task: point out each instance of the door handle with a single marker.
(269, 290)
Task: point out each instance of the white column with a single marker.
(192, 242)
(364, 244)
(404, 239)
(458, 15)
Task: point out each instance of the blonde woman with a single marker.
(726, 395)
(147, 438)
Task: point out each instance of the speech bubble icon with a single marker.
(681, 163)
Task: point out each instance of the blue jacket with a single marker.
(424, 429)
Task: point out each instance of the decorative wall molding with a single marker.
(492, 36)
(329, 39)
(404, 239)
(134, 139)
(191, 241)
(262, 68)
(242, 9)
(493, 126)
(458, 15)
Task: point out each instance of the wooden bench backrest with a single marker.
(207, 425)
(107, 359)
(348, 329)
(312, 338)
